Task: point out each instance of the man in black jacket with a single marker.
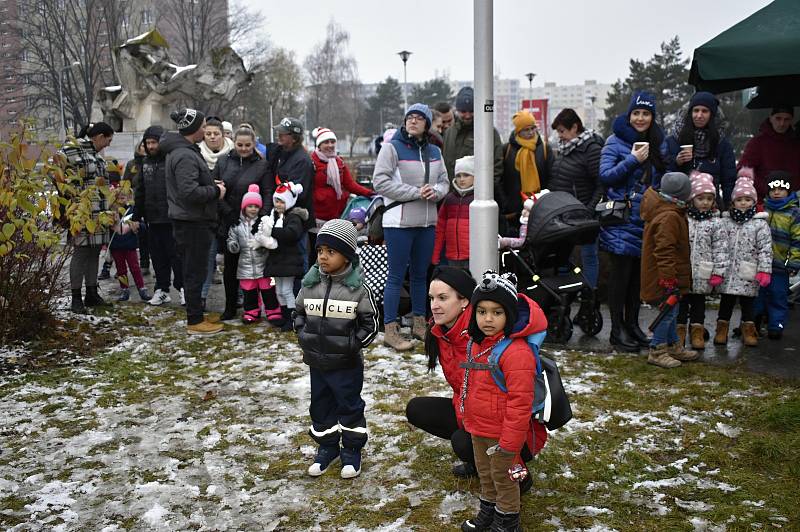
(192, 206)
(152, 208)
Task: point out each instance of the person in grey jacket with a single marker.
(336, 318)
(192, 206)
(252, 253)
(411, 176)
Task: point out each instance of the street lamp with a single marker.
(61, 94)
(530, 76)
(593, 98)
(404, 56)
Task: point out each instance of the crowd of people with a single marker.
(695, 223)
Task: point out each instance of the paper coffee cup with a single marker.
(689, 147)
(638, 145)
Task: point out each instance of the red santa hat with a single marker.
(288, 193)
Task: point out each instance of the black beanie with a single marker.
(782, 109)
(153, 132)
(188, 120)
(501, 289)
(458, 279)
(340, 235)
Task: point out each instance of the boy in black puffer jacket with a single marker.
(336, 317)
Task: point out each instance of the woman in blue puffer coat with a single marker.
(628, 172)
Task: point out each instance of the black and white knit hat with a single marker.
(779, 179)
(188, 120)
(288, 193)
(340, 235)
(500, 288)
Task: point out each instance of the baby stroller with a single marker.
(557, 223)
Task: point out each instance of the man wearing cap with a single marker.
(459, 141)
(291, 163)
(192, 199)
(775, 147)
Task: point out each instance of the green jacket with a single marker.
(459, 141)
(784, 224)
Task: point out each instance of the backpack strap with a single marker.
(494, 363)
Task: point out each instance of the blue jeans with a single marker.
(667, 331)
(212, 267)
(409, 248)
(774, 300)
(591, 263)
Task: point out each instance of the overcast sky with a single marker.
(565, 41)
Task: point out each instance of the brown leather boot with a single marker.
(681, 353)
(682, 334)
(658, 356)
(749, 334)
(392, 338)
(418, 327)
(697, 336)
(721, 336)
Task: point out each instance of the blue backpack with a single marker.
(550, 404)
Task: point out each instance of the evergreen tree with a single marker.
(385, 106)
(431, 92)
(664, 75)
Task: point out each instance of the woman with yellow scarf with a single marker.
(527, 160)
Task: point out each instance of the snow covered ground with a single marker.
(169, 432)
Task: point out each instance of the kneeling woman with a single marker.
(446, 342)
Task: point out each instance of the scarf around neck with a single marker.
(211, 157)
(565, 148)
(334, 177)
(741, 217)
(700, 215)
(525, 163)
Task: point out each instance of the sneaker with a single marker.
(325, 455)
(124, 294)
(160, 297)
(351, 462)
(143, 295)
(183, 298)
(204, 328)
(658, 356)
(105, 274)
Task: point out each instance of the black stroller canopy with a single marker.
(559, 216)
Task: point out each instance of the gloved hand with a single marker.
(669, 285)
(763, 279)
(715, 281)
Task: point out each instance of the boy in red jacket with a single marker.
(452, 228)
(500, 422)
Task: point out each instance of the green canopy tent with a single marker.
(762, 50)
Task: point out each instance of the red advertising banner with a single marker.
(539, 110)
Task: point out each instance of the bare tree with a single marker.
(333, 76)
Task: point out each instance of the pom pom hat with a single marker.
(288, 193)
(702, 184)
(501, 289)
(187, 120)
(321, 134)
(252, 197)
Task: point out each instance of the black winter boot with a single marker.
(465, 470)
(288, 324)
(620, 338)
(482, 521)
(93, 299)
(632, 322)
(505, 522)
(77, 302)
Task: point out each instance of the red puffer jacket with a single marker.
(452, 352)
(452, 229)
(326, 205)
(506, 417)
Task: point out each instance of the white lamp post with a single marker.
(404, 56)
(61, 94)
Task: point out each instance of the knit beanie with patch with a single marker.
(500, 288)
(321, 134)
(340, 235)
(702, 184)
(252, 197)
(188, 120)
(288, 193)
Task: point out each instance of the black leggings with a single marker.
(624, 280)
(727, 302)
(692, 309)
(437, 416)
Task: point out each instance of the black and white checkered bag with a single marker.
(375, 265)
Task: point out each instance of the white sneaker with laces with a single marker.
(183, 298)
(160, 297)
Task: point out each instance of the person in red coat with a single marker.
(775, 147)
(446, 343)
(500, 422)
(452, 228)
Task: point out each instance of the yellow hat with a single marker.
(523, 119)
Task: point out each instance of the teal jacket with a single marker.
(784, 223)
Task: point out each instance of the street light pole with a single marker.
(404, 56)
(61, 95)
(483, 210)
(530, 76)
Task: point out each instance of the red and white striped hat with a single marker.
(321, 134)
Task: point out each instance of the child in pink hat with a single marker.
(744, 259)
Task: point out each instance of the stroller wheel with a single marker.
(591, 324)
(559, 331)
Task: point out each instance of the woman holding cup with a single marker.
(632, 159)
(698, 143)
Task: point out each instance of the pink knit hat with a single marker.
(252, 197)
(744, 188)
(702, 184)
